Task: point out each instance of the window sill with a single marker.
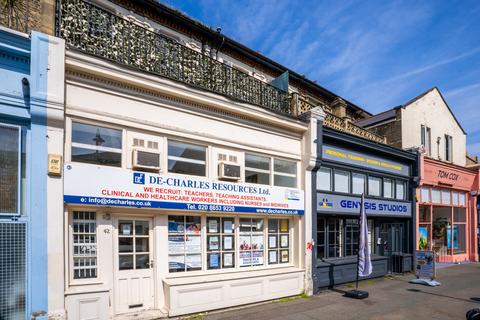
(230, 275)
(344, 260)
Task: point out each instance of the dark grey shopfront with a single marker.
(347, 167)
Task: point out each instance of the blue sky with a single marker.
(377, 54)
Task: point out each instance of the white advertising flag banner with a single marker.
(364, 259)
(100, 185)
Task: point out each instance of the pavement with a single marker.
(390, 298)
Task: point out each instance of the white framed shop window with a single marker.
(233, 243)
(83, 246)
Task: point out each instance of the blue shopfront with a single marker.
(348, 167)
(23, 175)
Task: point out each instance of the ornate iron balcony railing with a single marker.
(95, 31)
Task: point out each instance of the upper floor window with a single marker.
(10, 166)
(257, 169)
(186, 158)
(426, 140)
(324, 179)
(448, 148)
(358, 183)
(400, 190)
(388, 188)
(97, 145)
(284, 173)
(374, 186)
(342, 181)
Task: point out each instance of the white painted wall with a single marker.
(431, 111)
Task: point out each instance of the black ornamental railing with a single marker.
(93, 30)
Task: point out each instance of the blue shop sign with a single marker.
(338, 204)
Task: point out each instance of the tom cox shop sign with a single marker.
(332, 203)
(95, 185)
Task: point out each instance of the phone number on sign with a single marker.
(210, 207)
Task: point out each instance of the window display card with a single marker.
(245, 243)
(176, 245)
(284, 256)
(214, 260)
(176, 263)
(283, 225)
(125, 229)
(212, 226)
(257, 258)
(213, 243)
(228, 259)
(272, 257)
(227, 226)
(257, 242)
(193, 261)
(284, 241)
(245, 259)
(272, 242)
(228, 243)
(193, 244)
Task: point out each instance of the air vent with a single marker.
(228, 171)
(146, 160)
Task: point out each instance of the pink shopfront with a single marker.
(446, 211)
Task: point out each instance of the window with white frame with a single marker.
(185, 158)
(426, 139)
(10, 166)
(448, 148)
(257, 169)
(97, 145)
(278, 241)
(220, 242)
(284, 173)
(84, 244)
(251, 242)
(184, 243)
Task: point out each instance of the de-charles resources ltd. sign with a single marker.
(105, 186)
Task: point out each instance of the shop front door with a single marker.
(133, 261)
(392, 245)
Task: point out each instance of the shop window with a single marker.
(341, 181)
(257, 169)
(387, 188)
(424, 213)
(284, 173)
(10, 166)
(334, 238)
(448, 148)
(321, 230)
(425, 194)
(455, 198)
(96, 145)
(186, 158)
(251, 242)
(324, 179)
(424, 237)
(351, 237)
(358, 183)
(374, 186)
(133, 244)
(400, 187)
(461, 199)
(459, 238)
(446, 198)
(84, 244)
(184, 243)
(436, 196)
(278, 241)
(459, 215)
(220, 242)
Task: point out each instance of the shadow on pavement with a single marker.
(443, 295)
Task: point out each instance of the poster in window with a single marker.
(192, 244)
(283, 225)
(228, 243)
(175, 227)
(245, 243)
(193, 261)
(125, 228)
(227, 226)
(284, 241)
(245, 258)
(257, 258)
(272, 242)
(176, 244)
(214, 260)
(272, 257)
(284, 256)
(193, 227)
(213, 243)
(228, 259)
(212, 226)
(257, 242)
(176, 263)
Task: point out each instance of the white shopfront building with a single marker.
(176, 200)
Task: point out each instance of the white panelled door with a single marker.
(134, 276)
